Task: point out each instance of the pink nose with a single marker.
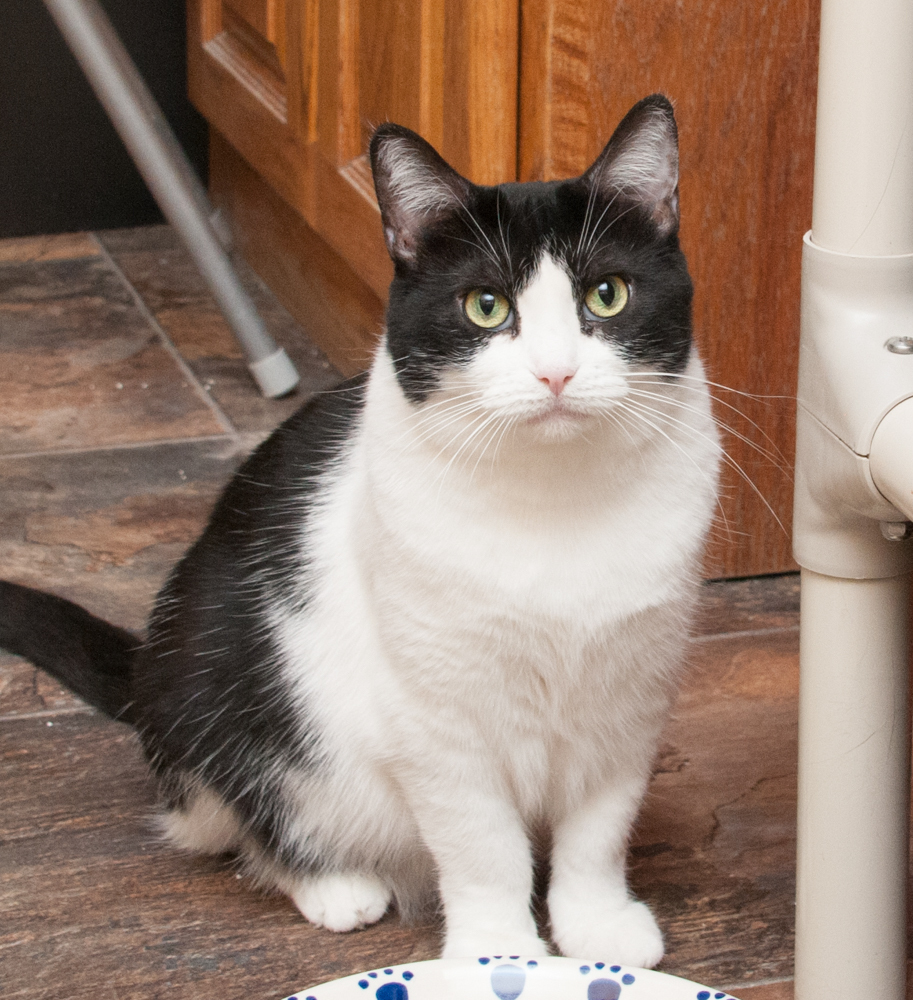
(557, 380)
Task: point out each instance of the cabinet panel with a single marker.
(446, 68)
(248, 39)
(253, 84)
(742, 77)
(297, 85)
(390, 59)
(481, 66)
(258, 26)
(264, 17)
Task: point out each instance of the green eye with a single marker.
(608, 298)
(486, 308)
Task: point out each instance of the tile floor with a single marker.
(123, 408)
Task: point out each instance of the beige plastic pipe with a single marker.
(853, 781)
(853, 479)
(891, 457)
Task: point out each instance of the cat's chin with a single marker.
(558, 423)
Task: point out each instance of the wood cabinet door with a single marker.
(296, 86)
(742, 77)
(293, 88)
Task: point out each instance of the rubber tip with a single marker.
(276, 375)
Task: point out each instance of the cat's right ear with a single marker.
(640, 162)
(415, 188)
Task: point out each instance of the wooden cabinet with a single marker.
(531, 89)
(295, 87)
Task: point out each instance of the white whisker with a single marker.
(729, 461)
(775, 458)
(636, 412)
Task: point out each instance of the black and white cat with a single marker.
(439, 615)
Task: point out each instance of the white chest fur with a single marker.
(500, 569)
(506, 588)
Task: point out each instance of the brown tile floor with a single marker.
(123, 408)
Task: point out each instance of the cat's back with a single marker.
(211, 640)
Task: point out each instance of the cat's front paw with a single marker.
(342, 901)
(629, 936)
(473, 944)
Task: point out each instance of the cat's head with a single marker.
(536, 300)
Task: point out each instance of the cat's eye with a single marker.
(608, 298)
(486, 308)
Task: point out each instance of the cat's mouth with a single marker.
(558, 412)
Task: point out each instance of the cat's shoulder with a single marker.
(312, 435)
(292, 460)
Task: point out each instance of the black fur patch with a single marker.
(207, 692)
(447, 237)
(209, 697)
(87, 654)
(497, 241)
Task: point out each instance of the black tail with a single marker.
(88, 655)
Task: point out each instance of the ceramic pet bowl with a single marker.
(510, 977)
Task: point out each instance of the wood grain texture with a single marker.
(263, 112)
(104, 527)
(480, 83)
(27, 691)
(93, 904)
(348, 219)
(390, 55)
(63, 246)
(742, 78)
(446, 69)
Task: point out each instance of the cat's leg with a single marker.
(592, 913)
(342, 901)
(483, 858)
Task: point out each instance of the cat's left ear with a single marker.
(415, 188)
(640, 162)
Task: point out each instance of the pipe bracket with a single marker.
(848, 383)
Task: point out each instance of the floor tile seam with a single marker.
(49, 713)
(40, 258)
(221, 416)
(733, 989)
(748, 633)
(235, 440)
(39, 833)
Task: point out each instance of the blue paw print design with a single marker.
(508, 980)
(391, 990)
(601, 987)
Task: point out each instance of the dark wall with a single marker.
(62, 165)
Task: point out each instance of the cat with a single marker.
(441, 612)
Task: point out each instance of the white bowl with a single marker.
(511, 977)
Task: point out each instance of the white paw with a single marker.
(629, 936)
(474, 944)
(342, 902)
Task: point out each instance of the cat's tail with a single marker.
(89, 656)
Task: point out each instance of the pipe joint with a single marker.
(848, 477)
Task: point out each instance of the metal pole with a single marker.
(175, 186)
